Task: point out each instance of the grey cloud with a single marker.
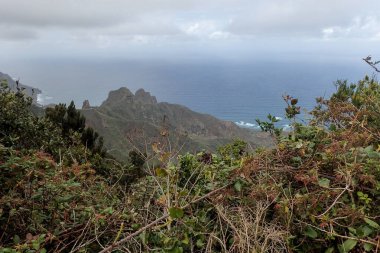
(150, 26)
(87, 13)
(117, 21)
(17, 34)
(58, 13)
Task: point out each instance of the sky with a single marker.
(80, 49)
(189, 29)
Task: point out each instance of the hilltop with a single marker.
(128, 120)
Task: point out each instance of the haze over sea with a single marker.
(231, 90)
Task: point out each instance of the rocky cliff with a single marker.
(29, 91)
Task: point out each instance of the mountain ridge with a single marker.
(124, 115)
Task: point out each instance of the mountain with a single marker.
(128, 121)
(29, 91)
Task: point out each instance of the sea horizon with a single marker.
(237, 91)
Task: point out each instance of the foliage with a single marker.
(70, 120)
(317, 190)
(51, 188)
(21, 129)
(326, 176)
(269, 126)
(42, 199)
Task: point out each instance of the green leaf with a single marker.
(348, 245)
(176, 250)
(364, 231)
(108, 210)
(75, 184)
(176, 212)
(330, 250)
(183, 193)
(237, 186)
(352, 230)
(199, 243)
(367, 247)
(310, 232)
(16, 239)
(161, 172)
(324, 182)
(186, 240)
(142, 237)
(372, 223)
(35, 244)
(368, 149)
(135, 226)
(43, 250)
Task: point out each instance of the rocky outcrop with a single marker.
(120, 96)
(127, 120)
(141, 96)
(125, 96)
(86, 105)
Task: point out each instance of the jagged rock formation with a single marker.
(86, 105)
(128, 120)
(141, 96)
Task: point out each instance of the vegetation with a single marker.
(317, 190)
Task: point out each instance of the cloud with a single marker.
(114, 26)
(206, 29)
(301, 18)
(220, 35)
(360, 28)
(17, 34)
(212, 19)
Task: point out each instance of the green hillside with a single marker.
(129, 121)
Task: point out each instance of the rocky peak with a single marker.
(122, 95)
(86, 105)
(144, 97)
(125, 96)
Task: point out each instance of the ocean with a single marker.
(236, 91)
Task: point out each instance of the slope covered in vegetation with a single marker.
(318, 190)
(129, 120)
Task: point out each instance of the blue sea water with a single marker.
(235, 91)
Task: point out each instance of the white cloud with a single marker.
(217, 35)
(360, 28)
(206, 29)
(200, 28)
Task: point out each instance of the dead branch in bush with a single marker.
(252, 232)
(153, 223)
(335, 201)
(371, 63)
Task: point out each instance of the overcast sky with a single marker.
(188, 28)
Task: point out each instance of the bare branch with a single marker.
(371, 63)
